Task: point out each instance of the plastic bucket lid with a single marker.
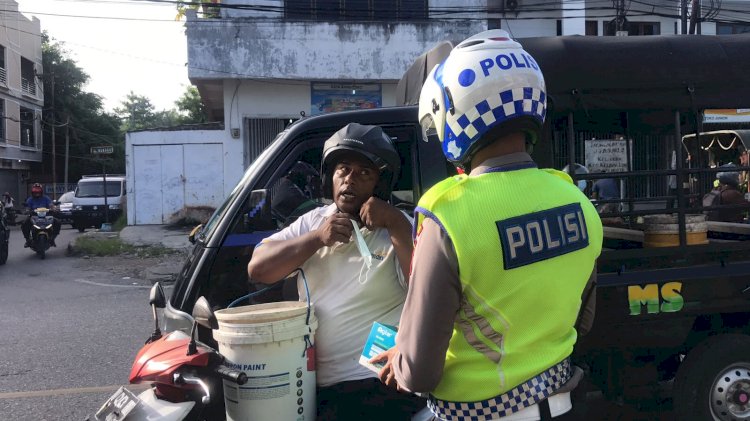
(261, 313)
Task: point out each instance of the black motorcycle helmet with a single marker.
(370, 142)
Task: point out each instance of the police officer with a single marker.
(504, 253)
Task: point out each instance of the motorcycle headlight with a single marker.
(114, 207)
(48, 227)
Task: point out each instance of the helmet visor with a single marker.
(429, 131)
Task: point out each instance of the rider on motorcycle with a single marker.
(8, 201)
(38, 200)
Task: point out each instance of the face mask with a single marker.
(582, 185)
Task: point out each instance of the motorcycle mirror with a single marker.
(193, 233)
(156, 297)
(204, 315)
(156, 300)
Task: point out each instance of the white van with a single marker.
(90, 206)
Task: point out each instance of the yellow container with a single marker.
(664, 231)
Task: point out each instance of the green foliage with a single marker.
(120, 223)
(100, 245)
(70, 111)
(77, 114)
(192, 108)
(109, 244)
(136, 112)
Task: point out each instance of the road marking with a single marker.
(83, 281)
(72, 391)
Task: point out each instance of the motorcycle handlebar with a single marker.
(236, 376)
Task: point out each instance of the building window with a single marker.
(28, 77)
(356, 10)
(592, 27)
(644, 28)
(732, 28)
(28, 127)
(633, 28)
(3, 71)
(2, 121)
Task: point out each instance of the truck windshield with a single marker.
(96, 189)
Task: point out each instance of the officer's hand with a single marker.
(376, 213)
(386, 373)
(336, 229)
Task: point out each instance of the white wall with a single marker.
(188, 140)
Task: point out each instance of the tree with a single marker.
(74, 112)
(192, 108)
(136, 112)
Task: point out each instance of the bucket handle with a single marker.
(252, 294)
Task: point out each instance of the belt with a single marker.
(524, 395)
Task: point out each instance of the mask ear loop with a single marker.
(367, 274)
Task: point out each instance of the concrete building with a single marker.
(262, 64)
(21, 98)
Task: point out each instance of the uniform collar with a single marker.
(508, 162)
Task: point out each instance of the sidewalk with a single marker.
(168, 236)
(157, 235)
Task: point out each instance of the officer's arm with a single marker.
(588, 306)
(431, 306)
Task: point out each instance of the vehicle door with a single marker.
(290, 189)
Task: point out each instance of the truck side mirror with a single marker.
(257, 216)
(194, 232)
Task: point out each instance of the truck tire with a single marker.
(713, 381)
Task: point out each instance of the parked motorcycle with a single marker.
(41, 231)
(4, 238)
(10, 216)
(185, 375)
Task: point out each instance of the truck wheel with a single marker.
(81, 228)
(713, 381)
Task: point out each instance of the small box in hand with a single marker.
(382, 338)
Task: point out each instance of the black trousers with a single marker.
(365, 400)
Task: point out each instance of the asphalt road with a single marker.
(68, 336)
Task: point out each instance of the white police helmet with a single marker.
(488, 81)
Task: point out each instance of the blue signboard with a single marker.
(330, 97)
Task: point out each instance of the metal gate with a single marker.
(260, 132)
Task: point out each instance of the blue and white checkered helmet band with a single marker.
(469, 127)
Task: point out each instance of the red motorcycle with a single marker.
(185, 375)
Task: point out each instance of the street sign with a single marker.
(102, 150)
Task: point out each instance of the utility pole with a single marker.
(620, 19)
(683, 16)
(695, 17)
(54, 155)
(67, 147)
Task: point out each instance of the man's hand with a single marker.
(376, 213)
(336, 229)
(386, 374)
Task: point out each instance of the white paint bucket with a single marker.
(269, 342)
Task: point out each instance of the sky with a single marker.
(146, 57)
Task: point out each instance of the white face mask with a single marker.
(582, 185)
